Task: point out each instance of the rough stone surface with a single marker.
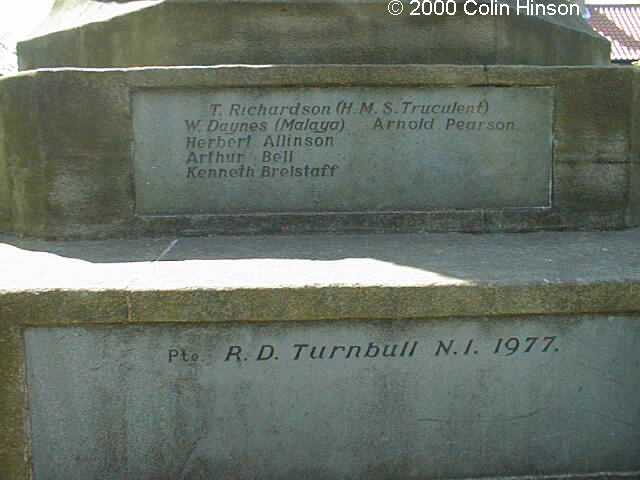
(634, 193)
(567, 281)
(82, 33)
(446, 262)
(68, 142)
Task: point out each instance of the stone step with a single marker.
(464, 355)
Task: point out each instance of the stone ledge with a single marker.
(319, 277)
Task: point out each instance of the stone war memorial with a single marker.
(319, 239)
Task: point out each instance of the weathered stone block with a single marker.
(592, 186)
(522, 352)
(634, 186)
(79, 164)
(379, 400)
(212, 32)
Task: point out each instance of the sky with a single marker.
(19, 17)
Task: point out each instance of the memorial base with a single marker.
(334, 148)
(321, 357)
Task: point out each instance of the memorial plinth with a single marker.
(398, 143)
(99, 33)
(320, 354)
(319, 148)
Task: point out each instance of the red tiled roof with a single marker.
(620, 24)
